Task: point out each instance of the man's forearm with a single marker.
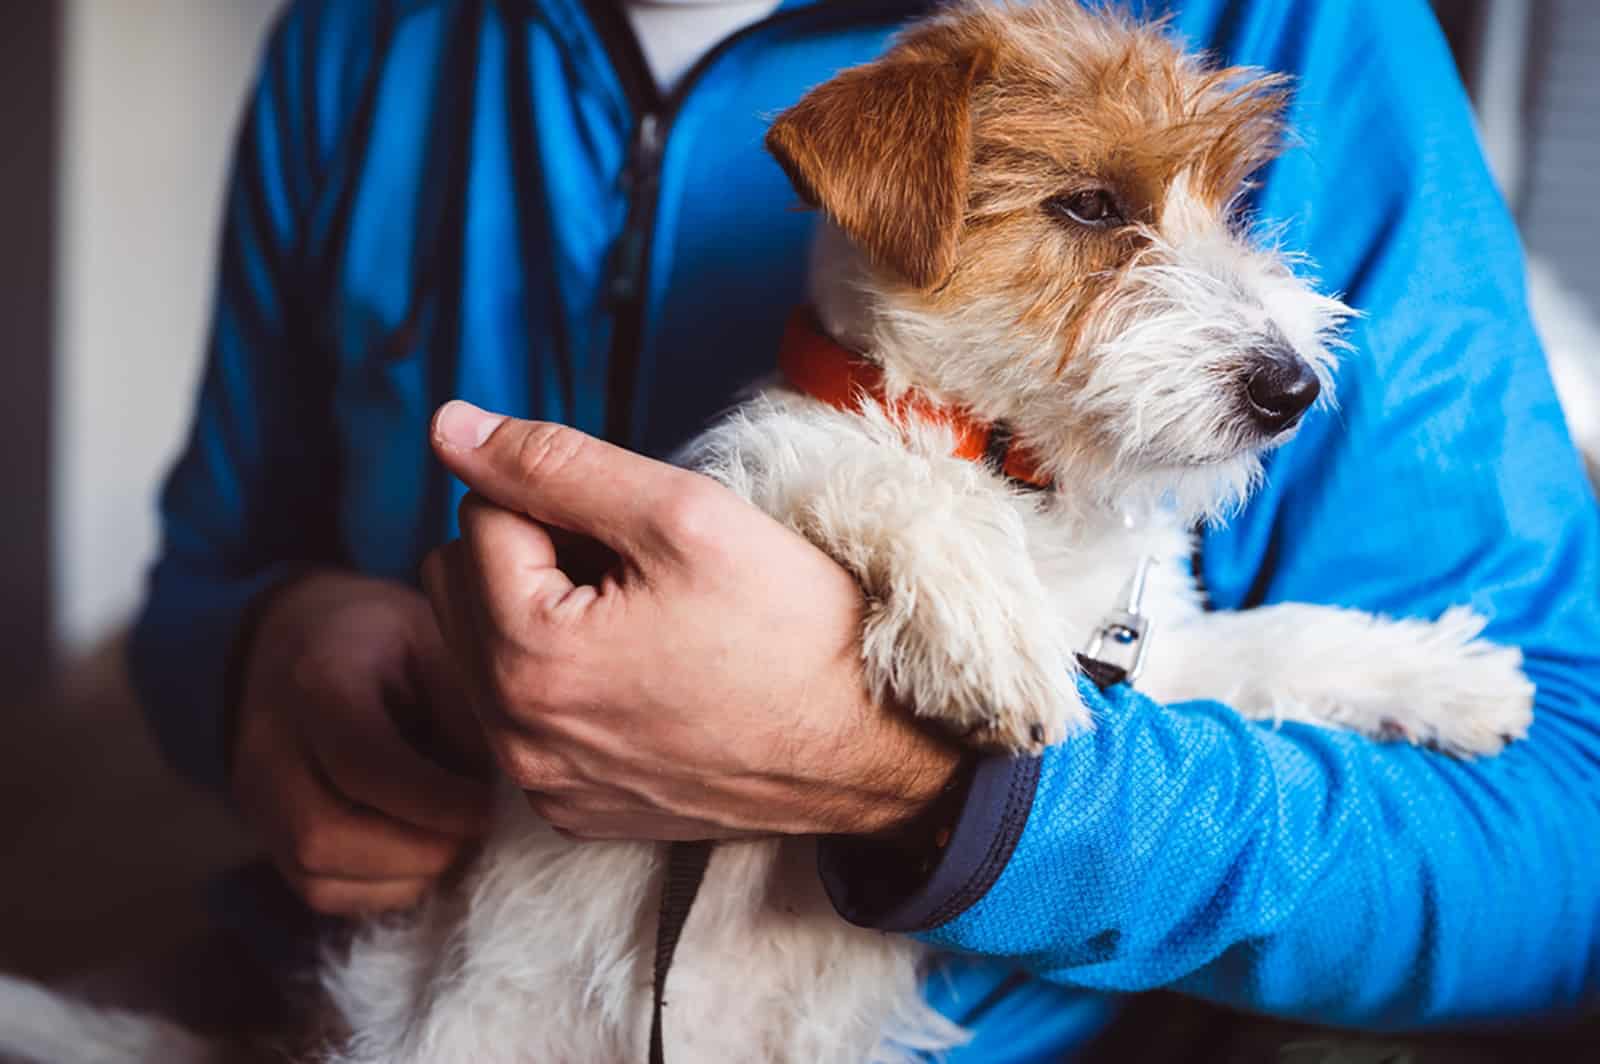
(1300, 872)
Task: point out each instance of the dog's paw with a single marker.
(1470, 697)
(1036, 715)
(995, 681)
(1432, 683)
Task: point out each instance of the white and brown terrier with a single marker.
(1030, 223)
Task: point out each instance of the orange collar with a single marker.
(820, 367)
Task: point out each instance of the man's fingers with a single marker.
(445, 580)
(447, 577)
(511, 561)
(355, 897)
(446, 574)
(560, 476)
(315, 833)
(368, 762)
(448, 728)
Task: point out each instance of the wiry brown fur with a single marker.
(904, 121)
(984, 106)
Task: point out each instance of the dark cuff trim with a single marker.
(866, 880)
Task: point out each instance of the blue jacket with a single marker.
(489, 200)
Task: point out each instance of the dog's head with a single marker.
(1042, 202)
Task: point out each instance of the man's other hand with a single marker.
(355, 817)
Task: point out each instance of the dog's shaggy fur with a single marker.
(1030, 216)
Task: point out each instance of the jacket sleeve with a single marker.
(1302, 872)
(242, 505)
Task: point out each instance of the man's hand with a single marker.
(707, 684)
(355, 817)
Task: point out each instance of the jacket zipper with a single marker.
(628, 272)
(627, 288)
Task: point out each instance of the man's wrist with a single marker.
(910, 773)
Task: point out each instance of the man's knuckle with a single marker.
(692, 515)
(543, 449)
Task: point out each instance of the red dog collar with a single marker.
(817, 365)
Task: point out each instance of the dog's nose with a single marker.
(1281, 388)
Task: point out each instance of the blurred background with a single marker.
(117, 118)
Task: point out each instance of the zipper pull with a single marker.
(639, 177)
(647, 143)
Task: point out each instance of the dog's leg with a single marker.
(958, 625)
(1434, 683)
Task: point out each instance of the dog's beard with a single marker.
(1160, 379)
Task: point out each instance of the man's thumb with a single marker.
(559, 476)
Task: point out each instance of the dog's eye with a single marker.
(1093, 207)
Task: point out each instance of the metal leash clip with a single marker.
(1124, 632)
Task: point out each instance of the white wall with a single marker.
(152, 90)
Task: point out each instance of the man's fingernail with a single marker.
(463, 426)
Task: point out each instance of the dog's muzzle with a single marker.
(1280, 387)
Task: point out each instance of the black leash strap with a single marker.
(686, 869)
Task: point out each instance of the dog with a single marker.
(1031, 237)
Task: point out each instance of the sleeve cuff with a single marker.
(869, 883)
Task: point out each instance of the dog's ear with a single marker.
(885, 150)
